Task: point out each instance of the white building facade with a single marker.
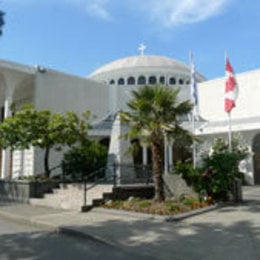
(107, 90)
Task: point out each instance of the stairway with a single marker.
(71, 196)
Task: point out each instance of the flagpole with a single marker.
(192, 82)
(229, 133)
(194, 143)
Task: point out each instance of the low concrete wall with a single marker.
(22, 190)
(176, 186)
(124, 192)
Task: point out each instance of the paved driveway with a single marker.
(228, 233)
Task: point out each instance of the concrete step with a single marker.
(71, 196)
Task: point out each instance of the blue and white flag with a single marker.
(193, 88)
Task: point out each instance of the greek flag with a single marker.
(193, 87)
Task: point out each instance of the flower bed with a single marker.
(168, 207)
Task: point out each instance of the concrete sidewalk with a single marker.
(231, 232)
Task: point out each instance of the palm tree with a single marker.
(155, 111)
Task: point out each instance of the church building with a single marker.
(107, 90)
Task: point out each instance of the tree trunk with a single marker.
(10, 164)
(158, 169)
(46, 162)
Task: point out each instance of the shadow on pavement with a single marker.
(200, 240)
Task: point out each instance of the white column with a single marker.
(145, 160)
(6, 152)
(170, 155)
(113, 99)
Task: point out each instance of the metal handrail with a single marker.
(114, 178)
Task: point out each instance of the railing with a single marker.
(118, 175)
(114, 174)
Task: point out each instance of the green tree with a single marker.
(85, 159)
(155, 111)
(43, 129)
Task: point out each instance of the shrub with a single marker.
(83, 160)
(35, 178)
(189, 174)
(220, 169)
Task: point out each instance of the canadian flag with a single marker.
(231, 90)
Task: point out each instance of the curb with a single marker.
(177, 217)
(82, 235)
(28, 221)
(58, 229)
(75, 232)
(195, 212)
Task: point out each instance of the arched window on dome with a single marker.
(172, 81)
(112, 82)
(152, 80)
(121, 81)
(162, 80)
(131, 81)
(181, 81)
(188, 81)
(141, 80)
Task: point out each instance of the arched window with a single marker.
(162, 80)
(152, 80)
(131, 81)
(141, 80)
(181, 81)
(121, 81)
(112, 82)
(172, 81)
(188, 81)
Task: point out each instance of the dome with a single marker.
(141, 62)
(124, 75)
(145, 69)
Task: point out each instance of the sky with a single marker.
(79, 36)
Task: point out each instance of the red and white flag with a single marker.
(231, 90)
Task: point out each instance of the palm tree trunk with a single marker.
(158, 169)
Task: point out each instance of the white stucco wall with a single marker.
(61, 92)
(211, 97)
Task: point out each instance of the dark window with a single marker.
(141, 80)
(172, 81)
(131, 81)
(112, 82)
(162, 80)
(152, 80)
(181, 81)
(188, 82)
(121, 81)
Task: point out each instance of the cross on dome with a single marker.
(142, 48)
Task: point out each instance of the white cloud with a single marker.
(177, 12)
(166, 13)
(96, 8)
